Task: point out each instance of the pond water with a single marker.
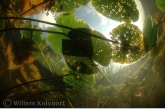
(37, 70)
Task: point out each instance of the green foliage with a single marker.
(92, 95)
(79, 49)
(82, 64)
(131, 36)
(68, 6)
(81, 85)
(103, 91)
(120, 10)
(98, 49)
(70, 20)
(79, 96)
(79, 80)
(53, 59)
(158, 50)
(43, 86)
(149, 33)
(35, 35)
(55, 40)
(161, 5)
(83, 53)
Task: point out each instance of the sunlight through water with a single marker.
(96, 21)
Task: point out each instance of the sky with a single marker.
(103, 24)
(94, 19)
(42, 16)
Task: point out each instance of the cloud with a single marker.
(89, 11)
(104, 20)
(42, 16)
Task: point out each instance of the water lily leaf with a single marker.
(149, 32)
(161, 5)
(131, 36)
(120, 10)
(76, 59)
(55, 40)
(99, 50)
(154, 32)
(80, 51)
(68, 5)
(70, 20)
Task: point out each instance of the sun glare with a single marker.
(139, 23)
(42, 16)
(105, 26)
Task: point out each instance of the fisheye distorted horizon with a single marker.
(94, 19)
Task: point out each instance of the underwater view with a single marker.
(82, 53)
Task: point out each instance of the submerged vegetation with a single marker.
(72, 63)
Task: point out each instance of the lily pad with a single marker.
(161, 5)
(149, 33)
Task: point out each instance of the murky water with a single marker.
(45, 80)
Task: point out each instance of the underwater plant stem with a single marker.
(13, 37)
(62, 26)
(32, 82)
(163, 90)
(158, 24)
(161, 17)
(42, 92)
(63, 92)
(31, 30)
(107, 101)
(14, 40)
(25, 11)
(57, 81)
(10, 26)
(132, 95)
(5, 6)
(98, 102)
(18, 82)
(112, 85)
(161, 22)
(47, 63)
